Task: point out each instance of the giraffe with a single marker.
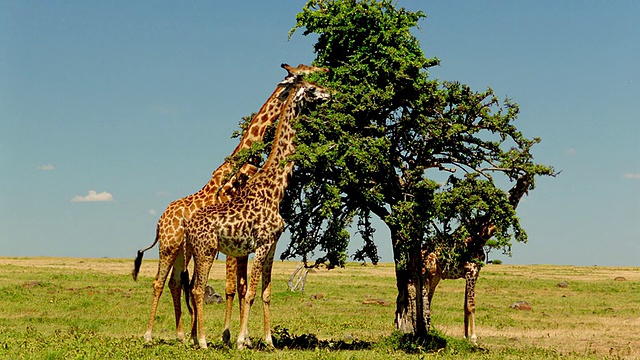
(250, 222)
(170, 227)
(435, 270)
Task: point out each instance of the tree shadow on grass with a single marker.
(283, 339)
(434, 342)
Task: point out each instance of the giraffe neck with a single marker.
(267, 115)
(278, 166)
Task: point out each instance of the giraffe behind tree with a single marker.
(435, 270)
(250, 222)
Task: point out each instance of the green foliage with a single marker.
(390, 132)
(257, 153)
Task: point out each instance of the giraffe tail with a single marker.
(138, 261)
(186, 286)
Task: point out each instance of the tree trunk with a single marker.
(412, 304)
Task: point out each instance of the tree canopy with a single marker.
(381, 146)
(428, 158)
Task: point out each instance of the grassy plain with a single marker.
(65, 308)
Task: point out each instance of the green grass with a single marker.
(92, 309)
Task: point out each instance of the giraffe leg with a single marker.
(433, 280)
(231, 265)
(236, 279)
(241, 280)
(194, 306)
(432, 277)
(471, 275)
(256, 271)
(186, 285)
(167, 258)
(266, 295)
(176, 291)
(195, 295)
(202, 266)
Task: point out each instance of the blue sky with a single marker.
(111, 110)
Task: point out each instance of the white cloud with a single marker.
(47, 167)
(632, 176)
(153, 212)
(162, 193)
(93, 196)
(571, 152)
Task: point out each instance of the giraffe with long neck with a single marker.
(250, 222)
(434, 270)
(220, 188)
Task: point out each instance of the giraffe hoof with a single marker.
(244, 343)
(226, 337)
(147, 336)
(269, 344)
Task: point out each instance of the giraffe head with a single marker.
(303, 91)
(310, 92)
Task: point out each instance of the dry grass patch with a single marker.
(594, 315)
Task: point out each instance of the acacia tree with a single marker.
(380, 146)
(488, 246)
(419, 154)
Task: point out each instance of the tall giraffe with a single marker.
(434, 270)
(250, 222)
(170, 227)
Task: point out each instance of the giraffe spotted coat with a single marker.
(220, 188)
(250, 222)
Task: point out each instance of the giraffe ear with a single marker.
(290, 79)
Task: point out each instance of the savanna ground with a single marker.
(62, 308)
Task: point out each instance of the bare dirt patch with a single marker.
(594, 314)
(107, 266)
(562, 272)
